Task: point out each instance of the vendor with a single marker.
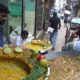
(4, 11)
(22, 38)
(17, 31)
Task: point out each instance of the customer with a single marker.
(4, 11)
(55, 23)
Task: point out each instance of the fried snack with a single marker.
(38, 42)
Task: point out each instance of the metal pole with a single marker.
(35, 18)
(22, 23)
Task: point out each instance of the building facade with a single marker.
(75, 6)
(33, 14)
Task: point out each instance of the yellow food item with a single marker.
(30, 65)
(12, 70)
(38, 45)
(34, 47)
(38, 42)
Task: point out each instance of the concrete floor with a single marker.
(61, 37)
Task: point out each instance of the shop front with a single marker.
(28, 14)
(18, 61)
(25, 14)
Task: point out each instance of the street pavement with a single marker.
(61, 37)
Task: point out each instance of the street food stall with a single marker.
(16, 62)
(25, 64)
(63, 65)
(29, 63)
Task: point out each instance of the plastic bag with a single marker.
(49, 29)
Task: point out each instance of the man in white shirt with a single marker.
(19, 39)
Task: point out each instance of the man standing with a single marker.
(4, 11)
(55, 24)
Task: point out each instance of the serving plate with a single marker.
(38, 47)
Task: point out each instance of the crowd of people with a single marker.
(16, 37)
(55, 24)
(72, 44)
